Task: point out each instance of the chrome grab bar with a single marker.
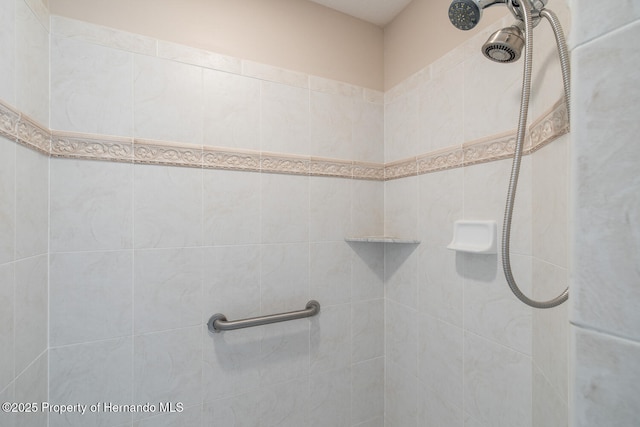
(218, 322)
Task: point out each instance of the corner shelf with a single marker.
(382, 239)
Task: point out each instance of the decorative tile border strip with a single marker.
(22, 129)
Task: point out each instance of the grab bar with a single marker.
(218, 322)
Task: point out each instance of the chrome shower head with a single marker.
(465, 14)
(505, 45)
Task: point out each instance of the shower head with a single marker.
(465, 14)
(505, 45)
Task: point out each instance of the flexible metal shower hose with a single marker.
(517, 156)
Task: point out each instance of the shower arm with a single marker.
(517, 155)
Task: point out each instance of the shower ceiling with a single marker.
(379, 12)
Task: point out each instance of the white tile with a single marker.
(238, 411)
(231, 362)
(167, 289)
(7, 291)
(91, 88)
(368, 132)
(367, 330)
(434, 409)
(330, 399)
(8, 419)
(401, 207)
(330, 127)
(91, 205)
(440, 283)
(231, 282)
(604, 380)
(188, 417)
(401, 396)
(8, 46)
(440, 361)
(284, 119)
(367, 271)
(441, 111)
(330, 272)
(330, 339)
(330, 208)
(441, 197)
(367, 394)
(31, 313)
(594, 19)
(7, 200)
(550, 195)
(202, 58)
(91, 296)
(285, 208)
(605, 184)
(490, 308)
(231, 207)
(231, 110)
(285, 277)
(497, 387)
(284, 352)
(168, 100)
(551, 327)
(31, 386)
(167, 367)
(32, 203)
(285, 405)
(74, 372)
(549, 409)
(401, 274)
(367, 208)
(401, 338)
(167, 206)
(32, 64)
(401, 127)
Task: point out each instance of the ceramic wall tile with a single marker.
(241, 410)
(189, 417)
(167, 207)
(401, 338)
(285, 208)
(401, 128)
(74, 372)
(368, 131)
(284, 353)
(284, 279)
(367, 208)
(441, 195)
(441, 111)
(549, 409)
(167, 367)
(401, 207)
(31, 312)
(330, 339)
(367, 330)
(367, 271)
(604, 377)
(497, 387)
(285, 405)
(330, 125)
(91, 205)
(31, 386)
(32, 203)
(594, 19)
(91, 88)
(401, 396)
(367, 398)
(95, 287)
(330, 399)
(401, 274)
(434, 409)
(490, 308)
(284, 119)
(550, 202)
(606, 206)
(31, 66)
(231, 110)
(330, 208)
(7, 45)
(167, 289)
(7, 339)
(231, 281)
(330, 272)
(168, 100)
(7, 200)
(199, 57)
(7, 395)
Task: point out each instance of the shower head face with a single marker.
(465, 14)
(504, 45)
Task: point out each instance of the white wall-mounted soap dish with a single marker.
(474, 236)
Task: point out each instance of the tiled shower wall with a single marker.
(460, 349)
(142, 255)
(24, 184)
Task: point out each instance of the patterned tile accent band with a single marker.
(22, 129)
